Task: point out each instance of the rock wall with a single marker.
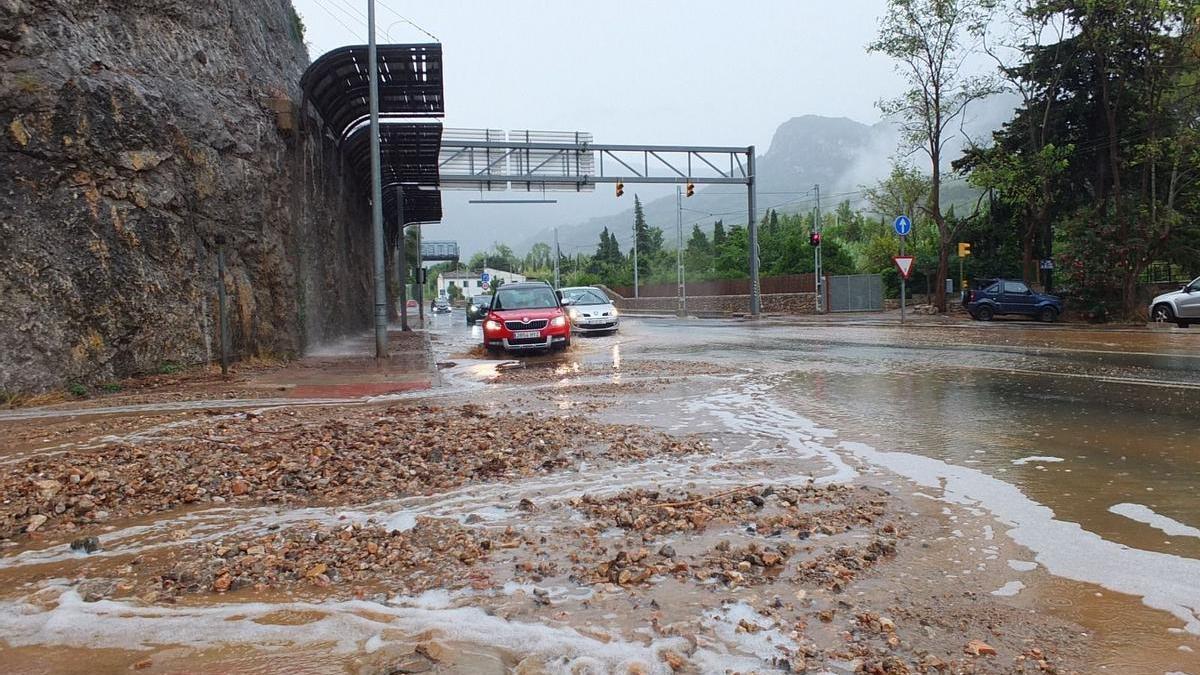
(134, 132)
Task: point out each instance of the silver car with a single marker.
(590, 310)
(1181, 307)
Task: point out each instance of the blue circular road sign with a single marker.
(903, 225)
(485, 277)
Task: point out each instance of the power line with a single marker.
(407, 20)
(335, 17)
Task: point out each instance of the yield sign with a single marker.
(904, 263)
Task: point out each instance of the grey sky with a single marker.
(699, 72)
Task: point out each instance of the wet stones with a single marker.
(281, 457)
(86, 544)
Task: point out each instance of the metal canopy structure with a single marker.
(410, 84)
(408, 153)
(420, 205)
(408, 160)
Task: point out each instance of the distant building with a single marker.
(470, 283)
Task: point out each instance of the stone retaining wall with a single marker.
(779, 303)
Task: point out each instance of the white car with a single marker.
(590, 310)
(1181, 307)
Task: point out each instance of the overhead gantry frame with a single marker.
(474, 159)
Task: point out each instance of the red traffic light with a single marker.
(814, 239)
(691, 188)
(620, 188)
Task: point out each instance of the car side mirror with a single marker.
(565, 301)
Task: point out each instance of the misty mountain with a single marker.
(838, 153)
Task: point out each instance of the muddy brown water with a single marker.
(1059, 448)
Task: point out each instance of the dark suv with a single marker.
(1005, 296)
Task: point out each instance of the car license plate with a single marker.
(526, 334)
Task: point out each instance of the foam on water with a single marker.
(1162, 580)
(1144, 514)
(1010, 589)
(1038, 459)
(347, 627)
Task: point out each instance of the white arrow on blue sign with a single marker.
(903, 225)
(485, 277)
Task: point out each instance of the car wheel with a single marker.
(1048, 315)
(1162, 313)
(984, 314)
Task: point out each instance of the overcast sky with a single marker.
(702, 72)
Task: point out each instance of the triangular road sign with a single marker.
(904, 263)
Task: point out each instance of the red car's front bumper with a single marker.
(515, 334)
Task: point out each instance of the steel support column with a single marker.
(402, 263)
(752, 226)
(419, 288)
(376, 193)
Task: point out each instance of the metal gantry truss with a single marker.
(483, 159)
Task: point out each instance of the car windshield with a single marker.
(585, 296)
(524, 298)
(1195, 284)
(482, 300)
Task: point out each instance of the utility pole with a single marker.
(817, 255)
(679, 250)
(376, 192)
(557, 256)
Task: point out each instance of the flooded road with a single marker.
(1053, 471)
(1085, 443)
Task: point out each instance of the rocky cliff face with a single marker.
(134, 132)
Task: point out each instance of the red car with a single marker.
(527, 315)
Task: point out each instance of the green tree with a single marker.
(732, 254)
(1105, 150)
(930, 41)
(718, 234)
(698, 255)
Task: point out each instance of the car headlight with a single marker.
(614, 312)
(558, 321)
(490, 325)
(474, 308)
(574, 314)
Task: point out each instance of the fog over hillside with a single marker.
(840, 154)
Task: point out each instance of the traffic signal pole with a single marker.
(682, 311)
(817, 277)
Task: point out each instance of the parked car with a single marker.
(1181, 307)
(440, 306)
(477, 308)
(1006, 296)
(590, 310)
(526, 315)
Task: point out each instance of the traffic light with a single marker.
(620, 188)
(964, 249)
(691, 188)
(814, 238)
